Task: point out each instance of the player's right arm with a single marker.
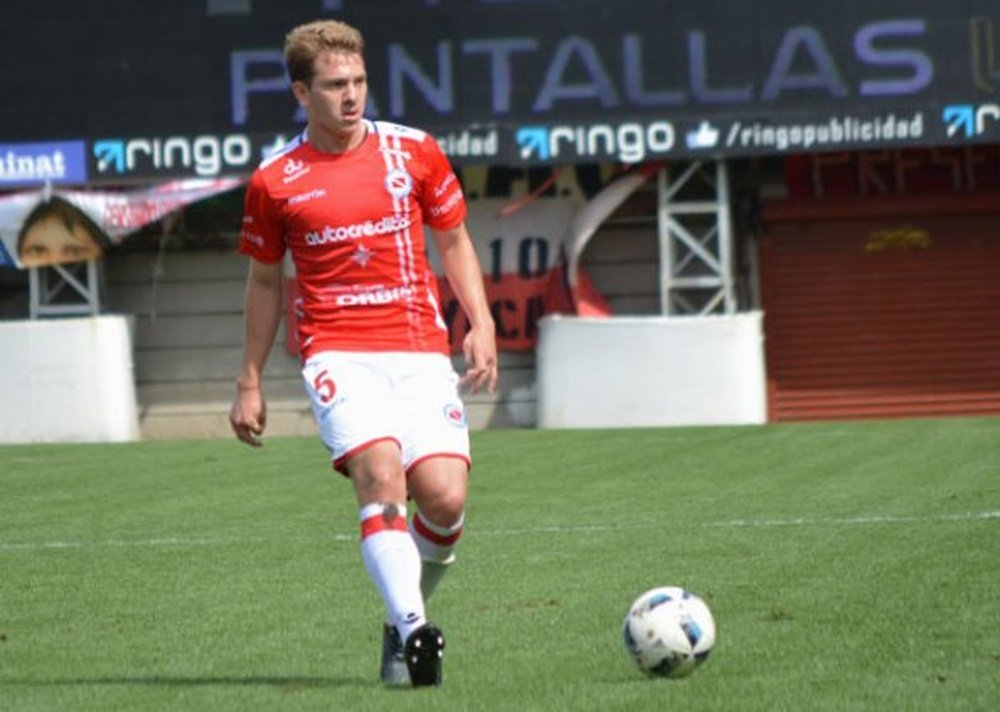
(262, 314)
(261, 240)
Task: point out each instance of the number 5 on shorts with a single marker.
(324, 386)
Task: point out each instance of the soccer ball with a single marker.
(669, 631)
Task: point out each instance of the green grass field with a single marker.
(851, 566)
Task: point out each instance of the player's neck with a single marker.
(336, 141)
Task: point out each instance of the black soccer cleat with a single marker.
(393, 670)
(424, 650)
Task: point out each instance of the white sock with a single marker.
(436, 545)
(393, 563)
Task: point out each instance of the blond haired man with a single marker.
(349, 199)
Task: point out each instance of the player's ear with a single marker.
(301, 92)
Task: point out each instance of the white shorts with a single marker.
(360, 398)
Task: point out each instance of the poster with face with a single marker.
(56, 231)
(48, 227)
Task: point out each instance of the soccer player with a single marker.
(349, 199)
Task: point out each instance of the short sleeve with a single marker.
(443, 203)
(262, 234)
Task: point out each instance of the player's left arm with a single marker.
(464, 274)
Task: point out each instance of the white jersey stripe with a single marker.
(408, 236)
(392, 154)
(398, 204)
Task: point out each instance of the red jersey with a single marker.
(353, 223)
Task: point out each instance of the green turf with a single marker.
(851, 566)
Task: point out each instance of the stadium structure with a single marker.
(688, 213)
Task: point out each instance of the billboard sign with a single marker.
(24, 164)
(45, 226)
(198, 88)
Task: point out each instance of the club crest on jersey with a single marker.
(455, 415)
(399, 183)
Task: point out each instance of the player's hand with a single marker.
(480, 348)
(248, 415)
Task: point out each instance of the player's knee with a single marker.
(445, 507)
(380, 482)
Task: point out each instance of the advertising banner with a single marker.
(48, 226)
(199, 88)
(54, 162)
(523, 268)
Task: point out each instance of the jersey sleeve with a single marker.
(443, 203)
(262, 235)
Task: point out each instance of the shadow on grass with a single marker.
(289, 683)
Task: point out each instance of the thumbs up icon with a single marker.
(705, 136)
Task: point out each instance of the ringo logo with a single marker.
(969, 120)
(208, 155)
(628, 142)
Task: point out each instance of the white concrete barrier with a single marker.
(651, 371)
(67, 380)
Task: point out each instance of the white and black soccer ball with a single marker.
(669, 631)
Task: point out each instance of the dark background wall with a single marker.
(197, 87)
